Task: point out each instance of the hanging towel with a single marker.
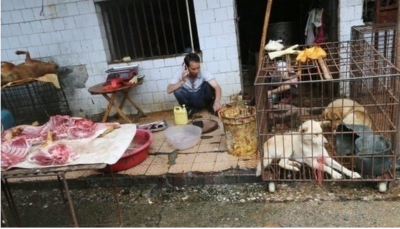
(309, 31)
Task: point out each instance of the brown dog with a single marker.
(346, 111)
(30, 69)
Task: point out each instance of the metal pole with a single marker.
(190, 25)
(398, 38)
(121, 222)
(10, 201)
(397, 82)
(71, 205)
(4, 217)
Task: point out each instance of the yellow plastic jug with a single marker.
(180, 114)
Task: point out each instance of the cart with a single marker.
(359, 73)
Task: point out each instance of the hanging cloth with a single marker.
(315, 25)
(319, 24)
(309, 31)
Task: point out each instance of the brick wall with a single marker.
(70, 33)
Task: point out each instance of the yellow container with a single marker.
(180, 114)
(240, 129)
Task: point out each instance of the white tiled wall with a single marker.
(350, 14)
(69, 32)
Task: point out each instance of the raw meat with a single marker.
(17, 141)
(14, 151)
(57, 154)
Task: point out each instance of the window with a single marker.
(146, 29)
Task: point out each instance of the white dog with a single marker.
(307, 146)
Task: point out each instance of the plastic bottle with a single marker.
(180, 114)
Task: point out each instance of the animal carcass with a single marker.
(30, 69)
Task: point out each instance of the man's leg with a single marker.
(183, 96)
(207, 97)
(188, 99)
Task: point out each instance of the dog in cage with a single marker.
(348, 112)
(303, 146)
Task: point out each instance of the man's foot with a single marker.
(191, 112)
(210, 109)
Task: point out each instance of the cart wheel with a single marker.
(271, 187)
(382, 186)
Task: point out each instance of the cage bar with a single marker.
(34, 101)
(360, 73)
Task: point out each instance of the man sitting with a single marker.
(195, 87)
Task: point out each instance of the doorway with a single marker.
(287, 22)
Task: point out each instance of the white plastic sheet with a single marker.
(108, 149)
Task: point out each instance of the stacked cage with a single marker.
(356, 110)
(381, 36)
(35, 101)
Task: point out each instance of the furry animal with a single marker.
(346, 111)
(305, 146)
(30, 69)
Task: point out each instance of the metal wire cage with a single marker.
(288, 94)
(381, 36)
(34, 101)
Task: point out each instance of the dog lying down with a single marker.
(305, 146)
(348, 112)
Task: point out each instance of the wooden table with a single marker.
(124, 90)
(50, 171)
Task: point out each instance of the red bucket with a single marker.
(136, 153)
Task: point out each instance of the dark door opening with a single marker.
(287, 22)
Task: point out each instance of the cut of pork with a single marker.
(17, 141)
(56, 154)
(14, 151)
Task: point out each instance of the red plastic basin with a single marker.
(136, 153)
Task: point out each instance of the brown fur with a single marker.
(30, 69)
(347, 111)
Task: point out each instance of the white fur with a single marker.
(305, 146)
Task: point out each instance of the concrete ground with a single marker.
(206, 187)
(245, 205)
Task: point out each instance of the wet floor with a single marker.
(244, 205)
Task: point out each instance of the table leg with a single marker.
(4, 217)
(109, 106)
(111, 103)
(125, 97)
(140, 111)
(117, 199)
(71, 206)
(10, 201)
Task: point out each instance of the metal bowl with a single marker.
(374, 154)
(346, 135)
